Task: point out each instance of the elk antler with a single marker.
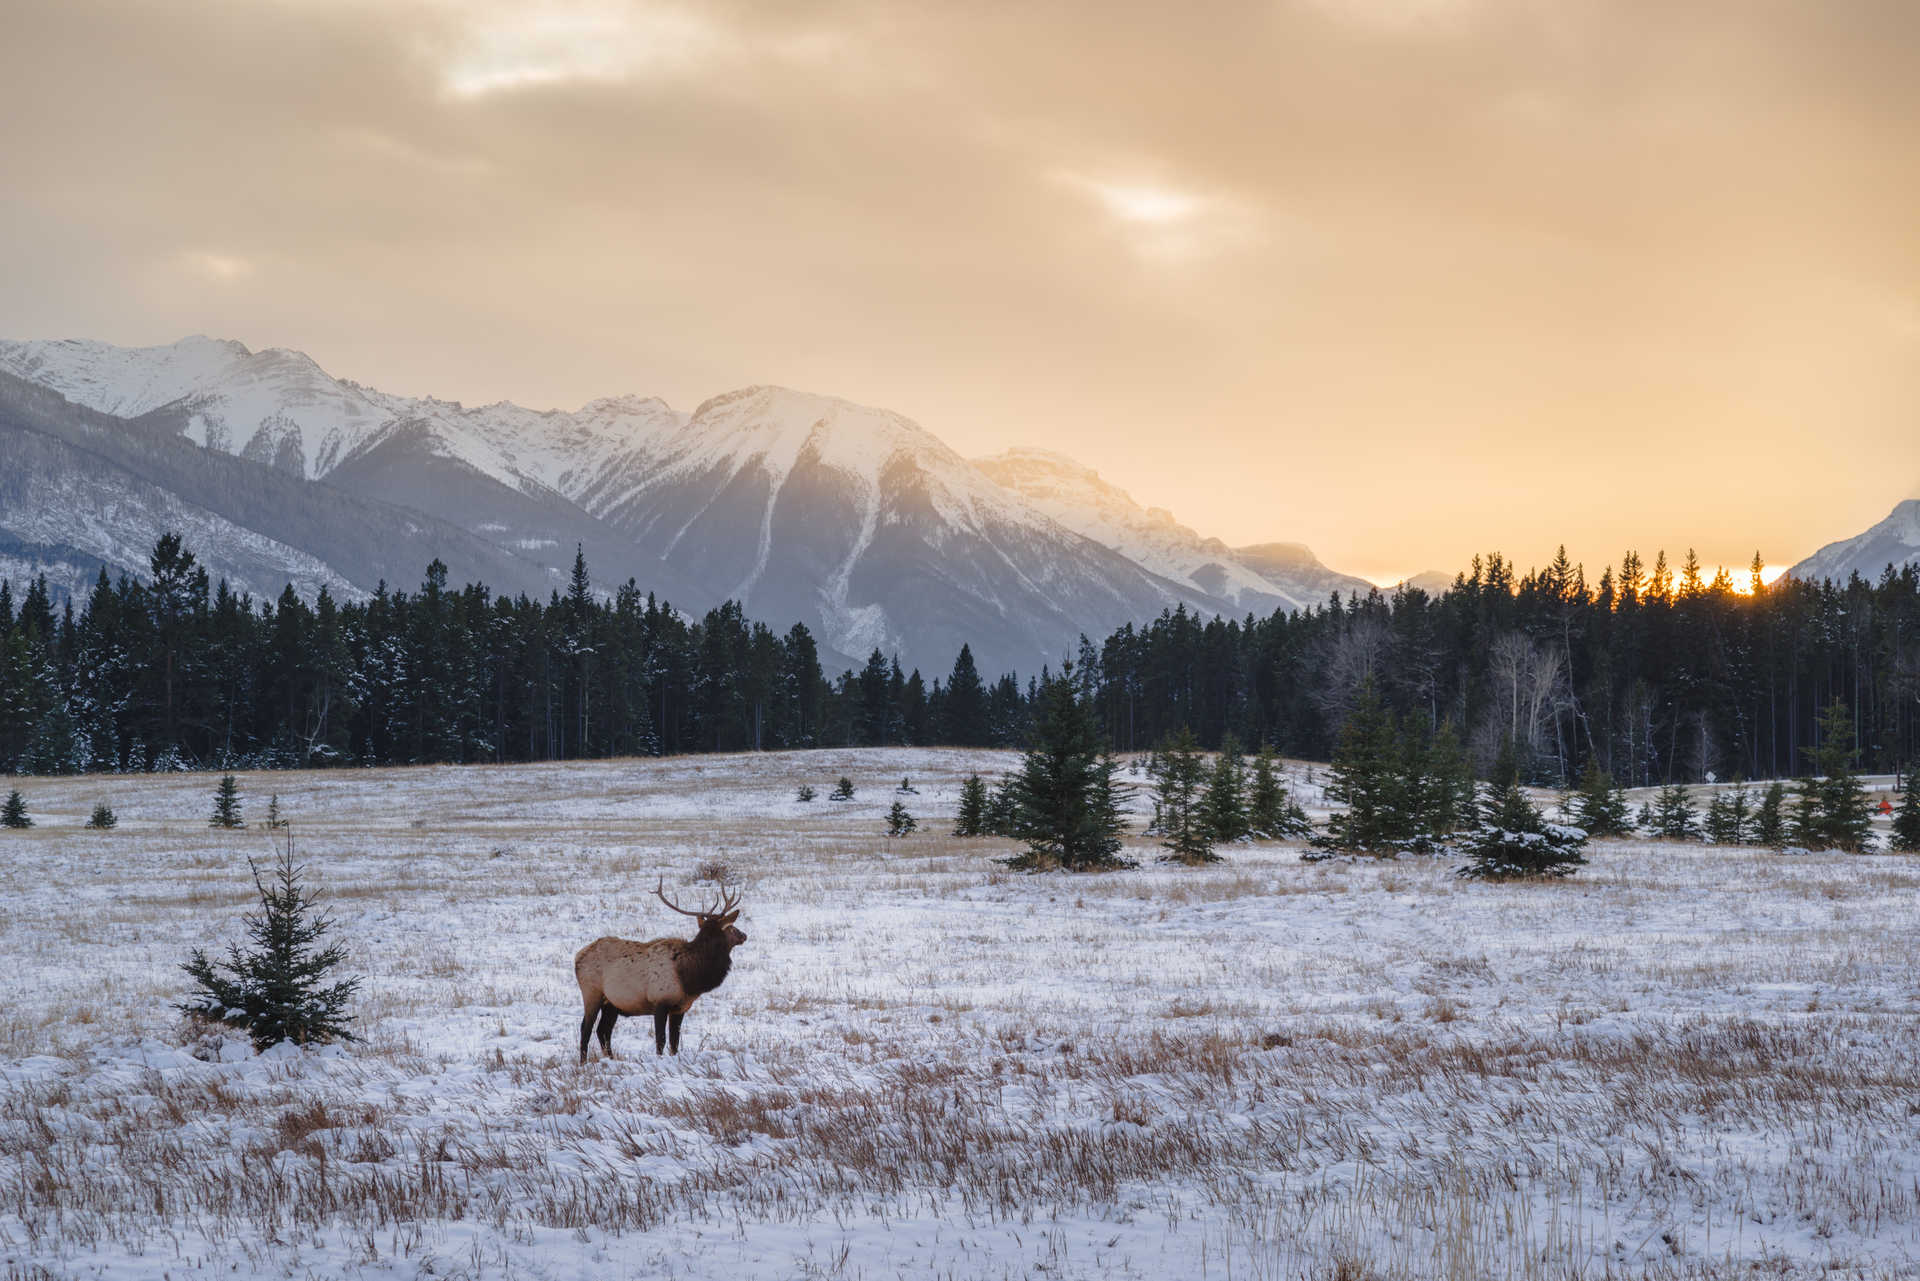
(728, 901)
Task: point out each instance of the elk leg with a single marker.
(608, 1017)
(586, 1032)
(660, 1031)
(673, 1030)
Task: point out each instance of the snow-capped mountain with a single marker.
(853, 520)
(1894, 541)
(1259, 579)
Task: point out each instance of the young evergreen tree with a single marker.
(1599, 807)
(1674, 817)
(1064, 792)
(1224, 804)
(102, 817)
(842, 790)
(907, 788)
(1514, 840)
(1846, 815)
(1729, 816)
(1770, 817)
(899, 822)
(1806, 826)
(804, 793)
(1447, 804)
(279, 989)
(274, 820)
(226, 805)
(1906, 820)
(1272, 813)
(14, 812)
(1368, 780)
(971, 820)
(1003, 809)
(1179, 806)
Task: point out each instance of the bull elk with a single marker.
(662, 977)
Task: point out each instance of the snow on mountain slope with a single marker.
(1076, 496)
(1894, 541)
(872, 530)
(279, 407)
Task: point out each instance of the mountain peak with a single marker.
(1894, 541)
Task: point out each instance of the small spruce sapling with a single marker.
(14, 812)
(907, 788)
(1600, 807)
(1845, 811)
(1003, 810)
(842, 790)
(1674, 817)
(1906, 819)
(804, 794)
(1224, 804)
(971, 820)
(1729, 817)
(1273, 814)
(102, 817)
(274, 820)
(226, 805)
(1770, 817)
(1179, 809)
(899, 822)
(280, 988)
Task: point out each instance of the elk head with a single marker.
(716, 922)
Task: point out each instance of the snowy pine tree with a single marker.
(102, 817)
(226, 804)
(1906, 820)
(1272, 813)
(277, 990)
(1770, 817)
(1513, 840)
(899, 822)
(1600, 808)
(971, 819)
(1674, 817)
(1846, 815)
(14, 812)
(1067, 806)
(1223, 806)
(1179, 809)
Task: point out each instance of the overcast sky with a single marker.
(1401, 279)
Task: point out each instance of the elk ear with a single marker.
(730, 917)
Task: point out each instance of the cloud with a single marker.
(508, 47)
(223, 268)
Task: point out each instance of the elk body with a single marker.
(661, 977)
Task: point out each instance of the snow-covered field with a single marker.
(1682, 1062)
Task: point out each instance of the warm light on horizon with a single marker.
(1740, 576)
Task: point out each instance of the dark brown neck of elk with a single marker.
(704, 962)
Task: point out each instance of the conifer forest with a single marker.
(1652, 675)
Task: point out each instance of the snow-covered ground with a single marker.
(1682, 1062)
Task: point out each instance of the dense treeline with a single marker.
(171, 672)
(1654, 677)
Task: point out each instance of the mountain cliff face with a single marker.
(1894, 541)
(854, 521)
